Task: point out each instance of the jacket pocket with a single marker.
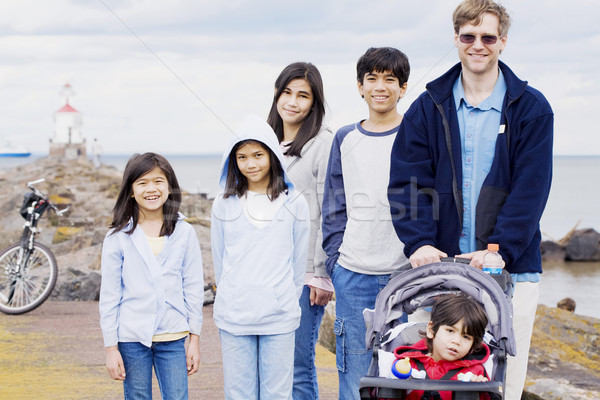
(340, 344)
(489, 204)
(135, 325)
(248, 305)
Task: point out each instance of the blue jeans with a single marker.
(306, 386)
(353, 293)
(257, 367)
(170, 367)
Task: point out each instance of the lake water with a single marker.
(573, 198)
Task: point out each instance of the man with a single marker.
(472, 165)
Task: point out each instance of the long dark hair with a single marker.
(237, 184)
(313, 121)
(126, 208)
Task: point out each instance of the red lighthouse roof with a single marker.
(67, 108)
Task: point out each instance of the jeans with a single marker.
(306, 386)
(354, 292)
(170, 367)
(257, 367)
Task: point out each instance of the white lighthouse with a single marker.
(68, 140)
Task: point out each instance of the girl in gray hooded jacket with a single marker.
(296, 117)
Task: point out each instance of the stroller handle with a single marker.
(459, 260)
(503, 280)
(407, 266)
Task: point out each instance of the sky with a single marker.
(177, 77)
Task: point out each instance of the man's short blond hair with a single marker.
(472, 11)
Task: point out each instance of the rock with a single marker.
(559, 389)
(326, 334)
(78, 286)
(210, 292)
(198, 221)
(552, 251)
(64, 233)
(564, 359)
(584, 245)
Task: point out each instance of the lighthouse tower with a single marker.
(68, 140)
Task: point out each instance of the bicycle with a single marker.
(28, 269)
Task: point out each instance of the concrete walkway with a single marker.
(56, 352)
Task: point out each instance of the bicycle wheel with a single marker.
(25, 288)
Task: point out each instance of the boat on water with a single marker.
(9, 151)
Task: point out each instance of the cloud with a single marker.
(174, 76)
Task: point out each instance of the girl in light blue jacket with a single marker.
(152, 288)
(259, 232)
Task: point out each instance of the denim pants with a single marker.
(354, 292)
(170, 368)
(306, 386)
(257, 367)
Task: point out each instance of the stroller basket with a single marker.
(417, 288)
(384, 388)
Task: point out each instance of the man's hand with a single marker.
(319, 297)
(114, 364)
(476, 258)
(426, 255)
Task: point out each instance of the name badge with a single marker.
(501, 130)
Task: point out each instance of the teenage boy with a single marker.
(358, 235)
(472, 165)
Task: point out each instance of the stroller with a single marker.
(410, 290)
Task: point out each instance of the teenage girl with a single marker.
(296, 116)
(259, 235)
(152, 284)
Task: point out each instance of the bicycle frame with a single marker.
(28, 236)
(35, 210)
(34, 214)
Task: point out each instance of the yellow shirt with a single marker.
(156, 246)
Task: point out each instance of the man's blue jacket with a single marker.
(426, 174)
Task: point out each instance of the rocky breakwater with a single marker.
(564, 359)
(76, 237)
(577, 245)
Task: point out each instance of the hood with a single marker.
(254, 128)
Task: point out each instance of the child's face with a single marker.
(151, 191)
(381, 91)
(254, 163)
(450, 343)
(295, 103)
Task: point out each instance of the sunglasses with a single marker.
(468, 38)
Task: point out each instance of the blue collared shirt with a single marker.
(479, 126)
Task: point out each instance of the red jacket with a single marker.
(436, 370)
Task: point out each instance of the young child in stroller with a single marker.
(413, 290)
(453, 346)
